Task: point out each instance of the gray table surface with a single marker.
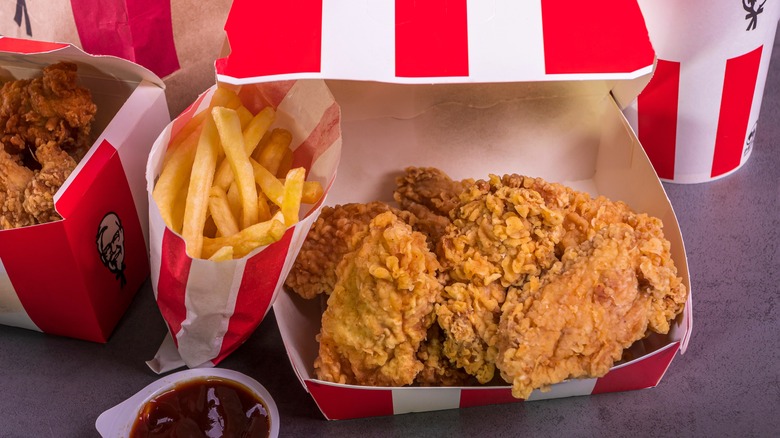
(727, 383)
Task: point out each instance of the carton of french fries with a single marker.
(234, 184)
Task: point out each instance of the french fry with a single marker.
(312, 192)
(246, 240)
(285, 164)
(222, 97)
(244, 115)
(264, 211)
(271, 186)
(210, 228)
(222, 254)
(257, 128)
(214, 191)
(270, 156)
(229, 128)
(223, 178)
(173, 177)
(220, 211)
(201, 177)
(234, 199)
(293, 189)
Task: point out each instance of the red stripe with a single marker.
(27, 46)
(580, 37)
(270, 37)
(172, 283)
(643, 374)
(657, 117)
(341, 403)
(45, 277)
(327, 131)
(739, 87)
(72, 198)
(431, 38)
(138, 30)
(486, 396)
(257, 96)
(186, 115)
(258, 284)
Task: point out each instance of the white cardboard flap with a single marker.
(20, 55)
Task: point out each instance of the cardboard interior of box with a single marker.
(568, 132)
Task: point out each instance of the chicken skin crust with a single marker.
(380, 309)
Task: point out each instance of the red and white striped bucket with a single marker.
(697, 117)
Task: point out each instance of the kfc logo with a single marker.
(111, 245)
(753, 9)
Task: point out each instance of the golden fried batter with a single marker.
(380, 309)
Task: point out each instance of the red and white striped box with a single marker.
(75, 277)
(472, 88)
(697, 117)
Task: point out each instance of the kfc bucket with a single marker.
(76, 276)
(472, 89)
(698, 116)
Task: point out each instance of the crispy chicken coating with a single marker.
(380, 309)
(336, 232)
(53, 107)
(45, 126)
(576, 320)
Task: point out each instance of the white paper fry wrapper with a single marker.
(697, 117)
(212, 307)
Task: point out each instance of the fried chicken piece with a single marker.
(380, 309)
(50, 108)
(429, 187)
(14, 178)
(438, 370)
(499, 237)
(576, 320)
(56, 166)
(331, 236)
(430, 195)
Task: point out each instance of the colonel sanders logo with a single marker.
(111, 245)
(753, 8)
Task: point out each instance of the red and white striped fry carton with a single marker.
(211, 308)
(697, 118)
(472, 88)
(75, 277)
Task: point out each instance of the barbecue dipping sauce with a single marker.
(203, 407)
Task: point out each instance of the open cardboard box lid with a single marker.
(473, 88)
(75, 287)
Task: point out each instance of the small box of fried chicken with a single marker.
(495, 232)
(75, 131)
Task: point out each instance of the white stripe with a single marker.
(210, 299)
(697, 120)
(505, 40)
(358, 39)
(568, 388)
(407, 400)
(11, 310)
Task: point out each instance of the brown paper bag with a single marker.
(178, 39)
